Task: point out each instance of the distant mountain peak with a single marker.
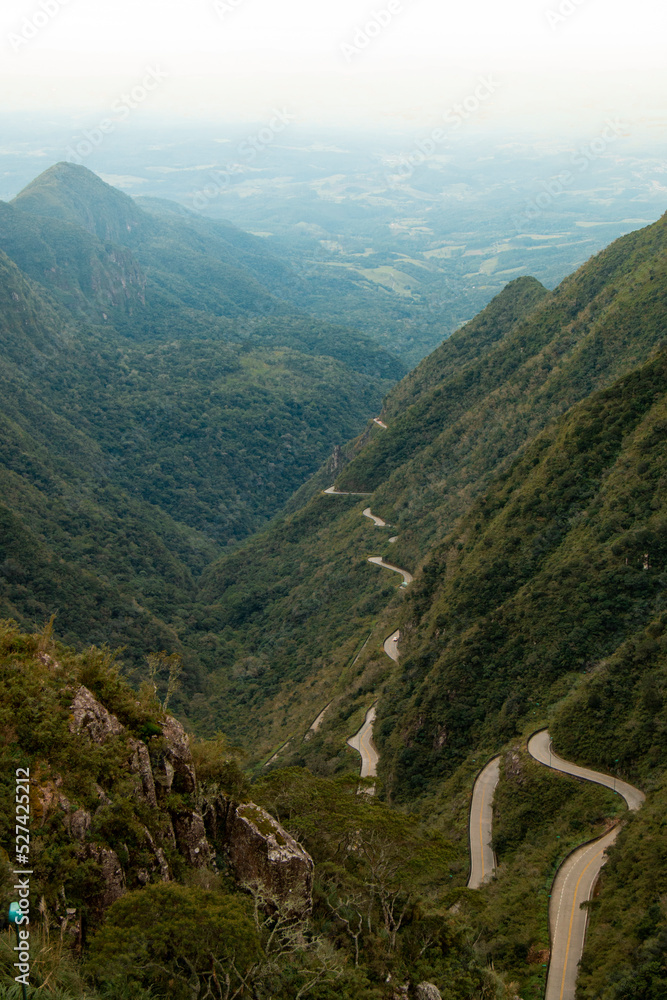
(74, 194)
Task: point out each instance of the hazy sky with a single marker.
(402, 60)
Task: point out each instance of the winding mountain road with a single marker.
(377, 521)
(540, 748)
(576, 877)
(362, 742)
(482, 858)
(391, 645)
(333, 492)
(379, 561)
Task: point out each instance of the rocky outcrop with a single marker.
(264, 854)
(140, 766)
(86, 713)
(160, 858)
(78, 823)
(191, 838)
(174, 768)
(111, 871)
(427, 991)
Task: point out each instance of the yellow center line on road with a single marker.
(574, 906)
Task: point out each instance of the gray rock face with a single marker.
(175, 770)
(191, 838)
(427, 991)
(112, 874)
(89, 715)
(140, 765)
(172, 771)
(78, 824)
(262, 853)
(160, 858)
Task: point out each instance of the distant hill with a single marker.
(150, 419)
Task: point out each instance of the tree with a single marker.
(191, 943)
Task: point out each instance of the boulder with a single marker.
(264, 854)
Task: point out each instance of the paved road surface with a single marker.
(482, 858)
(391, 645)
(573, 886)
(576, 877)
(333, 492)
(362, 742)
(539, 747)
(407, 577)
(377, 521)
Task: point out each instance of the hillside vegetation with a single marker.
(150, 420)
(168, 433)
(525, 483)
(123, 907)
(295, 595)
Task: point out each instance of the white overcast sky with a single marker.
(605, 57)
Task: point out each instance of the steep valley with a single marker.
(191, 470)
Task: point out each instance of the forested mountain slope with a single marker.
(526, 487)
(521, 473)
(296, 596)
(158, 271)
(143, 434)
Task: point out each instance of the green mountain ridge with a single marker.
(523, 474)
(480, 399)
(522, 478)
(139, 441)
